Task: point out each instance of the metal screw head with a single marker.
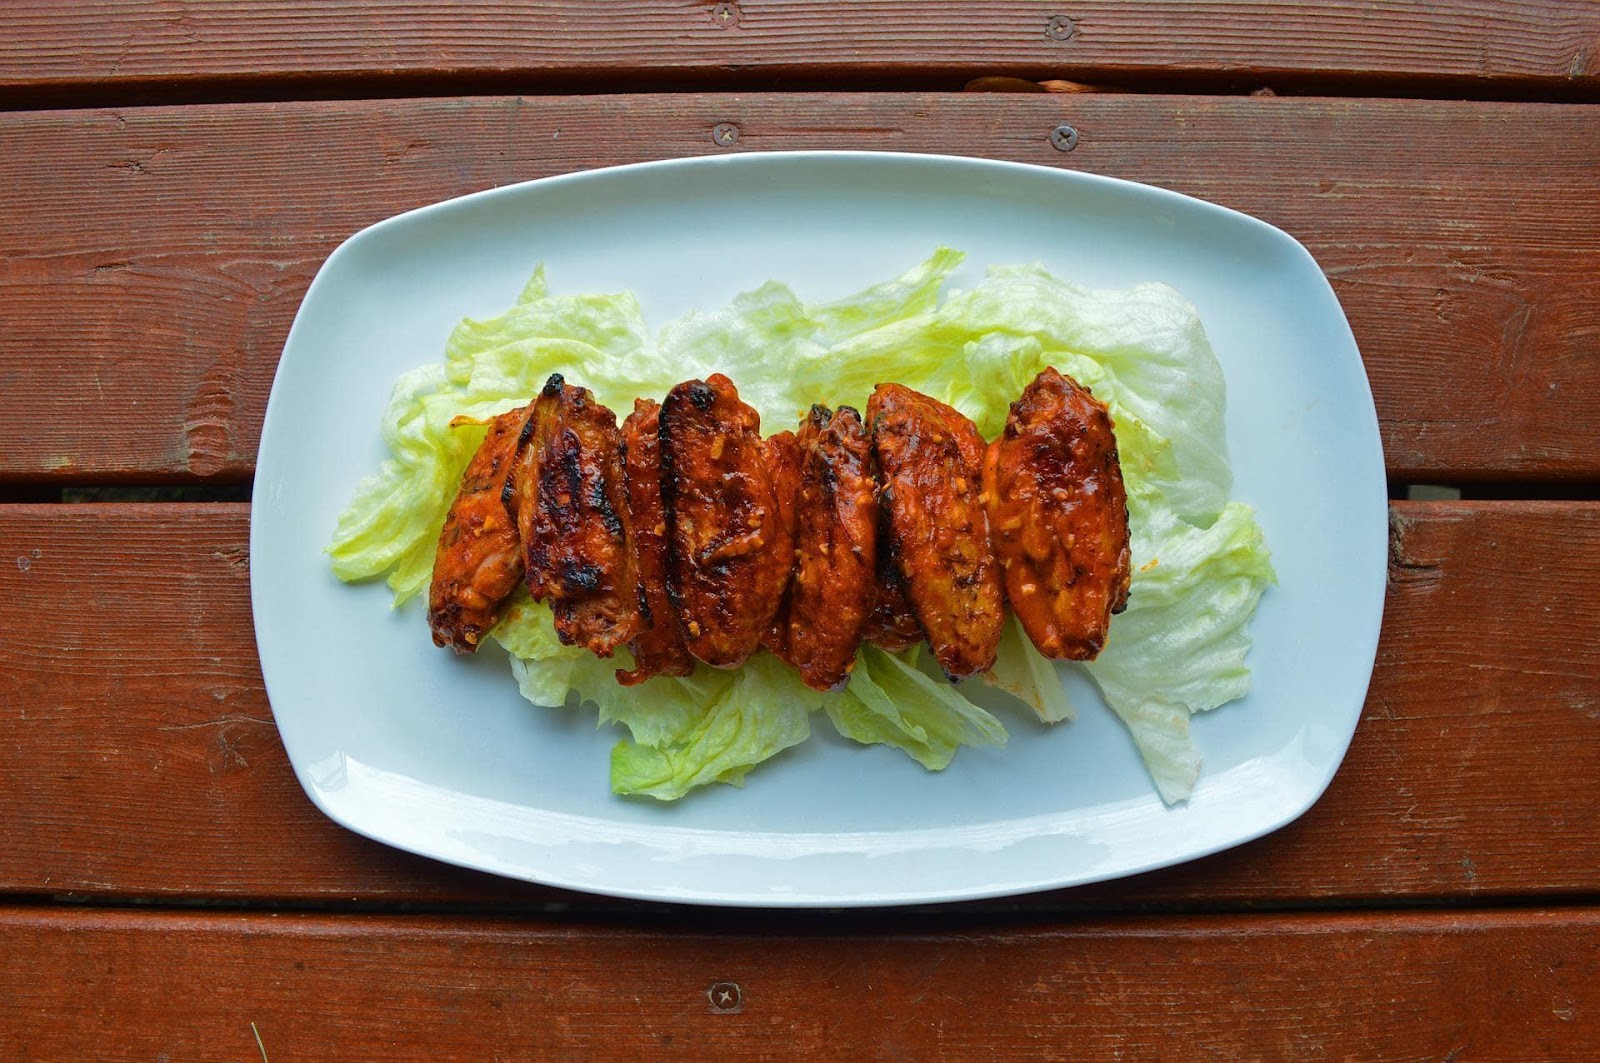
(725, 15)
(1059, 28)
(725, 134)
(1063, 138)
(725, 996)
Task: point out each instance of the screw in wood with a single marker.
(725, 996)
(725, 133)
(1059, 28)
(1063, 138)
(726, 16)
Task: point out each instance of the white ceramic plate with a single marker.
(435, 754)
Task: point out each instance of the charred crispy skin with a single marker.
(836, 548)
(783, 458)
(658, 649)
(931, 458)
(893, 625)
(479, 559)
(567, 490)
(1058, 517)
(729, 555)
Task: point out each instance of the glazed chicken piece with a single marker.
(931, 460)
(729, 555)
(1058, 517)
(567, 491)
(836, 547)
(783, 458)
(658, 649)
(893, 625)
(479, 559)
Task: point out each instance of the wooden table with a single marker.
(171, 176)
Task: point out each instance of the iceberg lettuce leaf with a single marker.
(756, 338)
(612, 326)
(1185, 632)
(757, 715)
(893, 702)
(1160, 731)
(1027, 675)
(1180, 646)
(914, 292)
(392, 524)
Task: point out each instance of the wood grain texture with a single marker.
(139, 42)
(144, 985)
(142, 759)
(152, 259)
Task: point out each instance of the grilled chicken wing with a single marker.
(931, 458)
(729, 554)
(658, 649)
(1058, 516)
(783, 458)
(836, 548)
(479, 559)
(572, 513)
(893, 625)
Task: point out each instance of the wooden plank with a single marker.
(142, 43)
(142, 760)
(155, 257)
(86, 984)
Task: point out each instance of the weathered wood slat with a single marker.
(141, 758)
(86, 984)
(52, 43)
(152, 259)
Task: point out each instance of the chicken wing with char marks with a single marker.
(567, 490)
(658, 649)
(687, 536)
(893, 625)
(931, 459)
(783, 458)
(1058, 516)
(729, 555)
(479, 558)
(836, 526)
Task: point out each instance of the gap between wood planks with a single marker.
(1495, 491)
(288, 88)
(999, 914)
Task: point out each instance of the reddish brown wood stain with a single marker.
(150, 765)
(136, 985)
(151, 259)
(156, 256)
(74, 42)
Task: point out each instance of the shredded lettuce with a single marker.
(1201, 561)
